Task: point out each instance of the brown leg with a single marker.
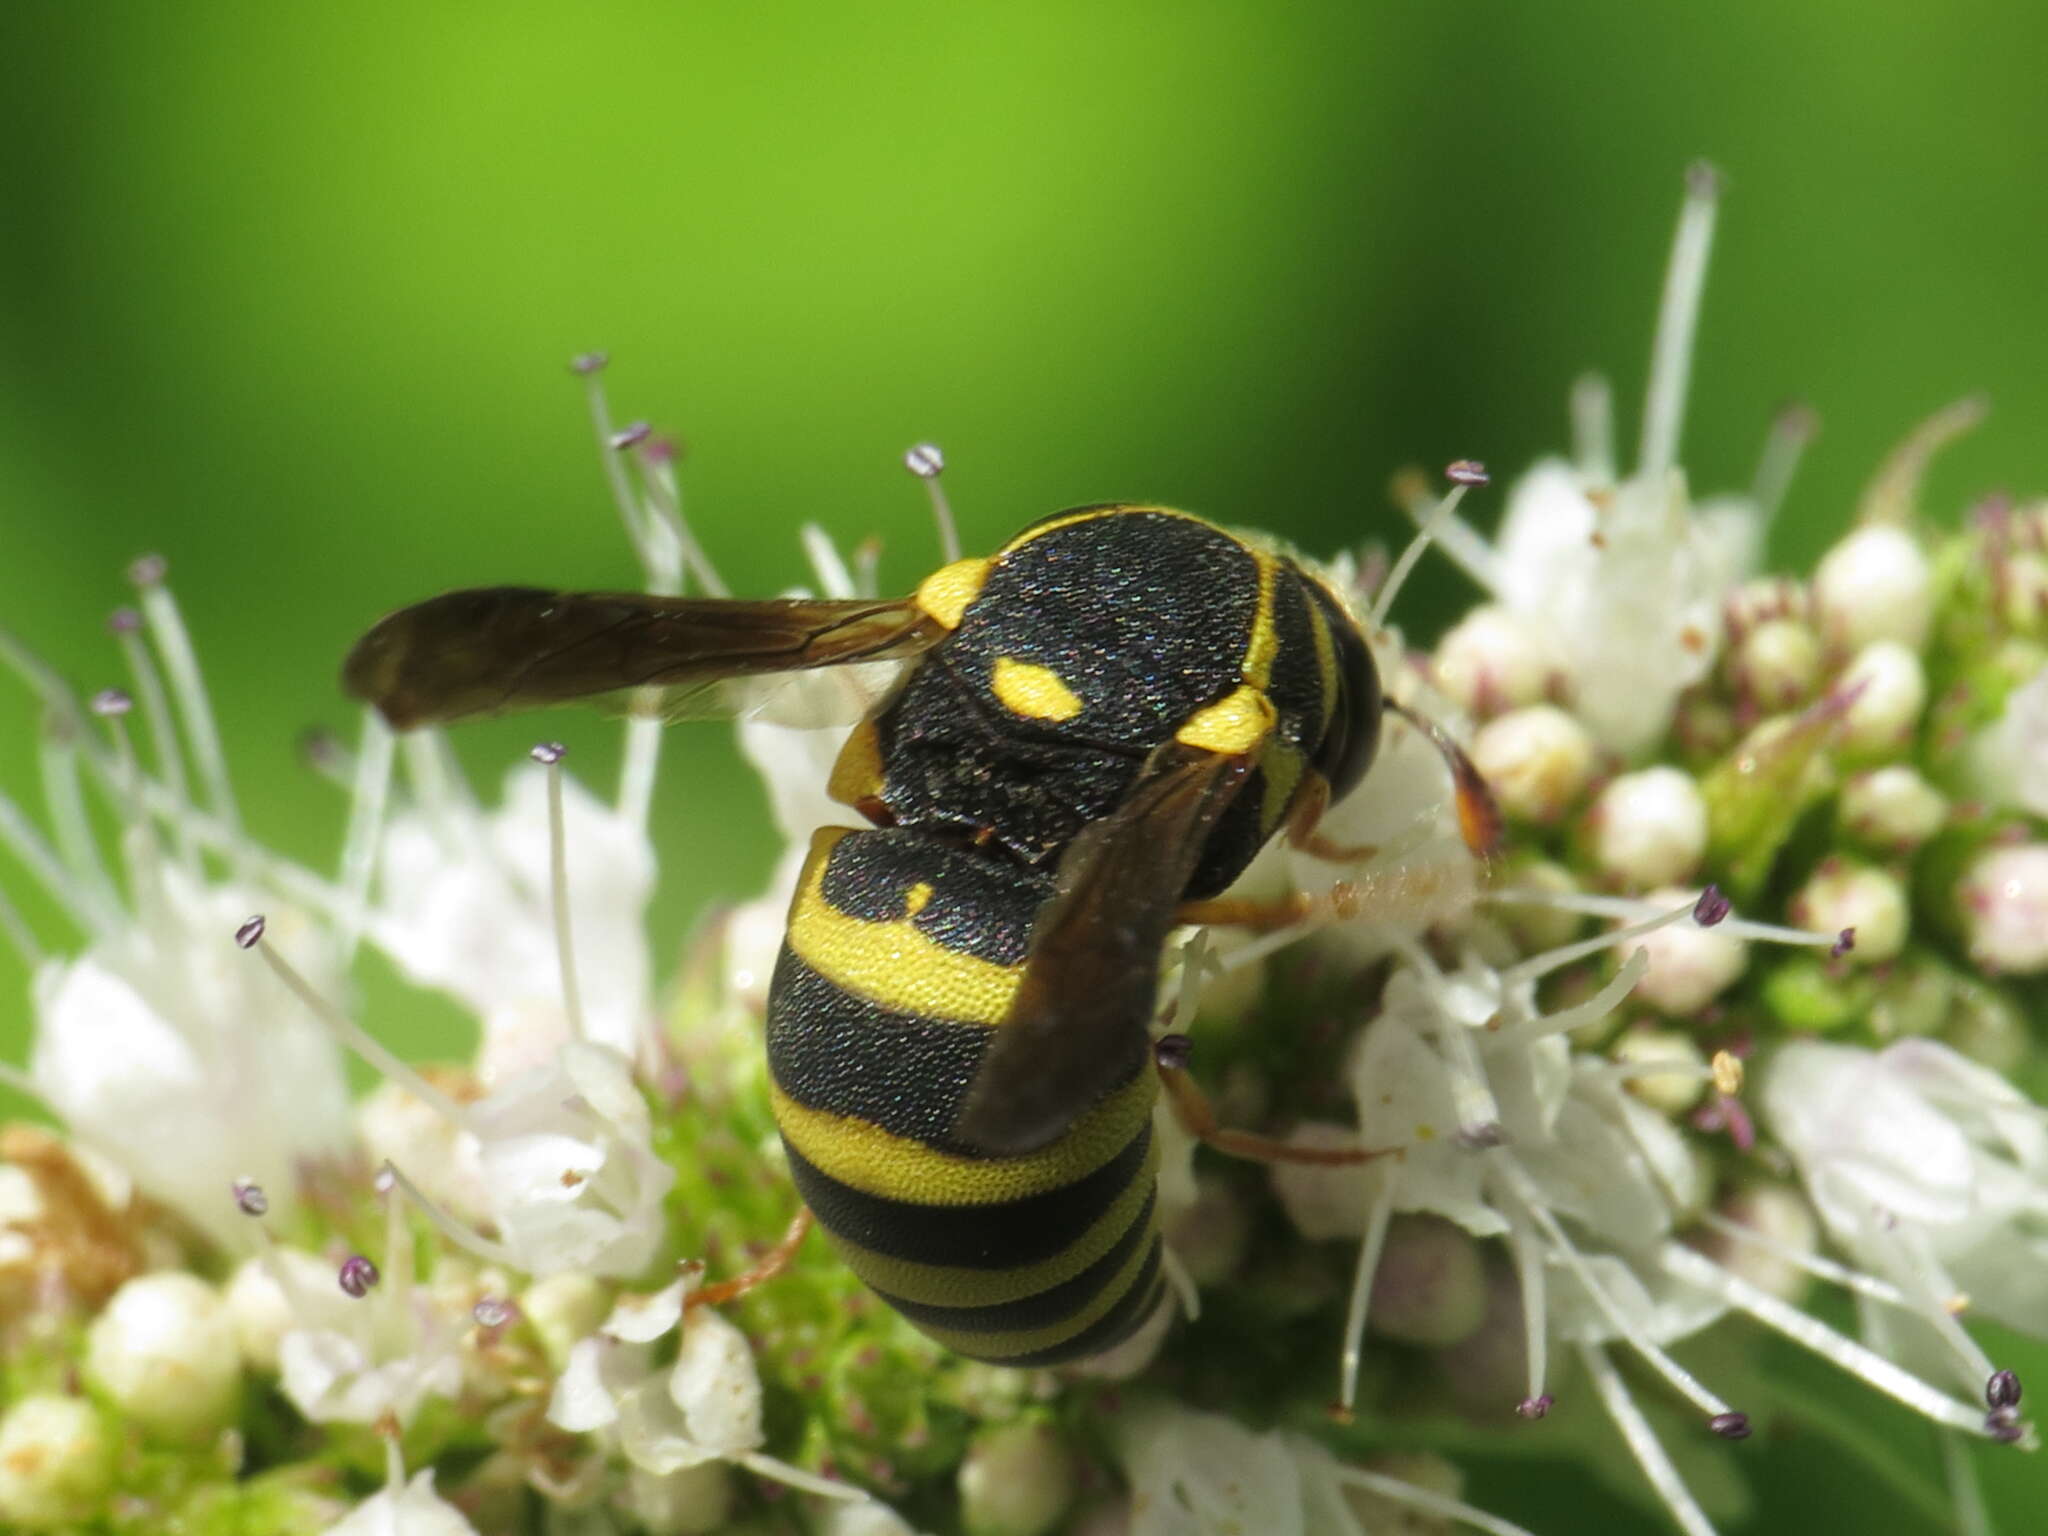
(1194, 1111)
(1341, 902)
(773, 1263)
(1306, 814)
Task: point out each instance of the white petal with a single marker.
(716, 1386)
(414, 1510)
(1198, 1474)
(583, 1397)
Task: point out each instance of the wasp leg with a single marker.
(1260, 914)
(1306, 814)
(1192, 1108)
(772, 1263)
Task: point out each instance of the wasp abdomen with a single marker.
(903, 954)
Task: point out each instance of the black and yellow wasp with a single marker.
(1100, 726)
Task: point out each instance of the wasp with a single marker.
(1095, 731)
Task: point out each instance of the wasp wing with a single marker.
(489, 649)
(1079, 1024)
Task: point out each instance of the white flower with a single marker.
(1650, 828)
(188, 1068)
(385, 1353)
(1876, 584)
(1931, 1170)
(568, 1166)
(705, 1408)
(405, 1509)
(465, 905)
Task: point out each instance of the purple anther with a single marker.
(1173, 1052)
(1466, 472)
(2003, 1389)
(1712, 907)
(1535, 1407)
(358, 1276)
(549, 753)
(250, 934)
(249, 1197)
(1844, 942)
(111, 702)
(1730, 1426)
(925, 461)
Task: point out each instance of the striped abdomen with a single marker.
(902, 955)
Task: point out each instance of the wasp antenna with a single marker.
(1479, 819)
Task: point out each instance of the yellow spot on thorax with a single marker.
(1235, 724)
(945, 594)
(1035, 692)
(917, 898)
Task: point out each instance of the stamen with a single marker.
(1442, 1506)
(1595, 905)
(188, 686)
(494, 1312)
(1458, 539)
(797, 1478)
(834, 580)
(1687, 1384)
(1814, 1264)
(631, 435)
(2002, 1389)
(19, 835)
(1361, 1291)
(1793, 428)
(1431, 528)
(250, 1199)
(1532, 1280)
(399, 1259)
(1936, 1292)
(1187, 996)
(1685, 281)
(1593, 428)
(550, 754)
(347, 1031)
(927, 463)
(165, 751)
(1966, 1497)
(1541, 965)
(1643, 1443)
(1894, 492)
(20, 935)
(365, 826)
(1712, 907)
(457, 1232)
(357, 1277)
(867, 565)
(1696, 1269)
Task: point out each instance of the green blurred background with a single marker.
(286, 294)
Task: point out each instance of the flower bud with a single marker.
(1324, 1202)
(2023, 592)
(164, 1352)
(1536, 759)
(1649, 828)
(1893, 808)
(1761, 600)
(1689, 965)
(1430, 1286)
(2004, 900)
(56, 1462)
(1809, 996)
(1777, 664)
(1887, 689)
(1913, 997)
(1876, 584)
(2009, 758)
(564, 1309)
(1780, 1214)
(1843, 893)
(1987, 1026)
(1495, 660)
(1016, 1481)
(1670, 1093)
